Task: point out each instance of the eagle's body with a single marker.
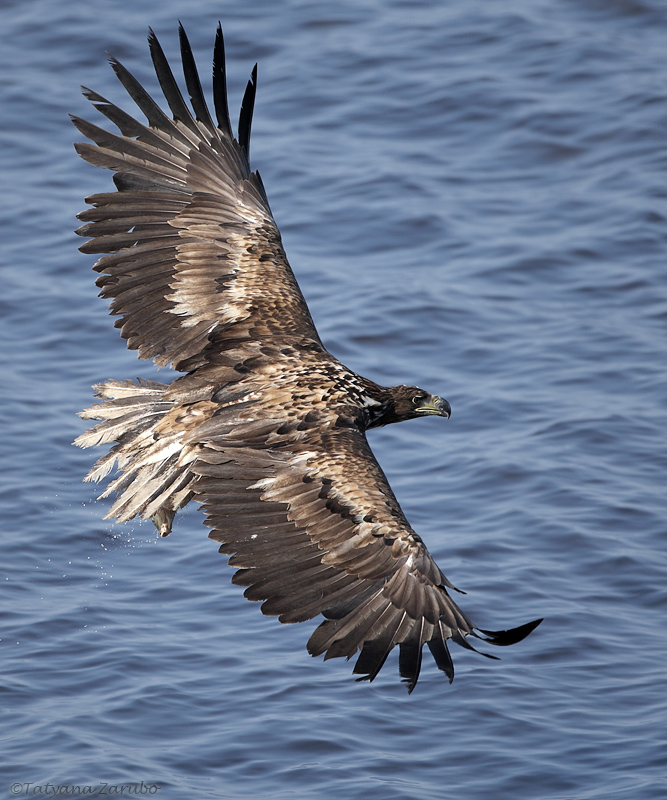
(265, 428)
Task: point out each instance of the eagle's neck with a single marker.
(376, 404)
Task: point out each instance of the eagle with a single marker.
(263, 427)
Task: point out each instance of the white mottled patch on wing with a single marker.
(164, 454)
(264, 483)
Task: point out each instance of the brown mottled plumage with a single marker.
(265, 429)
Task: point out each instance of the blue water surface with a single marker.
(474, 199)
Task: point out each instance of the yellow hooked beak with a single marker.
(436, 406)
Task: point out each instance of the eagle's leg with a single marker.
(163, 520)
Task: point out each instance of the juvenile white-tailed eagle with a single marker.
(265, 428)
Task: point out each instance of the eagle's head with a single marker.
(410, 402)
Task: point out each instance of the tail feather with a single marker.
(154, 479)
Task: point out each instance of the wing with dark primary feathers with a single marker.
(312, 524)
(195, 255)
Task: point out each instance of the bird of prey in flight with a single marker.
(263, 427)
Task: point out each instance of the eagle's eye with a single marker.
(416, 400)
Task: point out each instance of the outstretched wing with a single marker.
(314, 527)
(194, 253)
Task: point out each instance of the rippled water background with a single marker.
(473, 197)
